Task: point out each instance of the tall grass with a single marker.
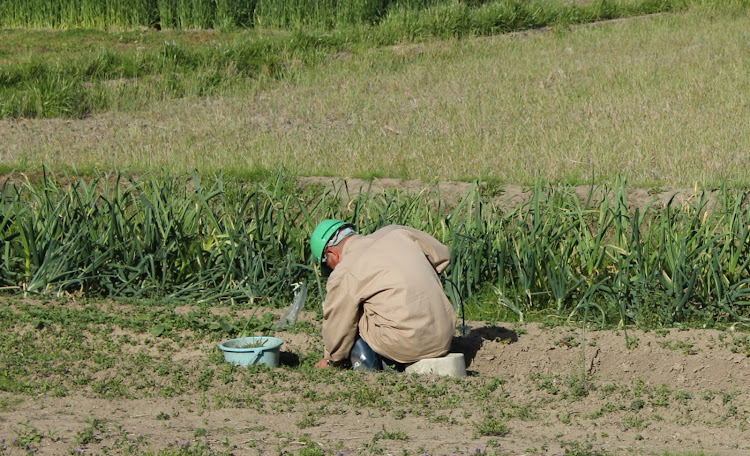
(94, 82)
(78, 13)
(413, 17)
(79, 86)
(555, 253)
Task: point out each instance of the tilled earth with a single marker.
(531, 389)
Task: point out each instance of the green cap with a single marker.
(322, 234)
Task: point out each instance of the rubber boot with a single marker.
(363, 357)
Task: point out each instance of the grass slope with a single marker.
(657, 99)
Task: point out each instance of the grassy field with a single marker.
(292, 31)
(657, 99)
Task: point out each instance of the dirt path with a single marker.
(504, 195)
(451, 192)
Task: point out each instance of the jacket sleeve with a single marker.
(341, 312)
(438, 254)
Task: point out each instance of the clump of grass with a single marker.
(489, 425)
(395, 434)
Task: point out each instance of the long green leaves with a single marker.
(651, 266)
(555, 253)
(116, 237)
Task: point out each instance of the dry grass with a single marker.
(661, 99)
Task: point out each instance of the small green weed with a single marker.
(28, 437)
(637, 405)
(309, 419)
(682, 397)
(187, 448)
(548, 383)
(311, 449)
(608, 408)
(634, 422)
(8, 403)
(568, 341)
(90, 434)
(661, 396)
(741, 344)
(687, 348)
(579, 386)
(631, 342)
(391, 435)
(492, 426)
(575, 448)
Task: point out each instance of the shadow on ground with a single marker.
(471, 343)
(289, 359)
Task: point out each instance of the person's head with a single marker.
(327, 239)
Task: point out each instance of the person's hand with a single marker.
(322, 364)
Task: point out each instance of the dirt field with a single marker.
(531, 389)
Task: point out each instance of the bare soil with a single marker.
(531, 389)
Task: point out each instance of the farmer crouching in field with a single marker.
(385, 305)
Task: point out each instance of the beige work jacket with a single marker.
(386, 288)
